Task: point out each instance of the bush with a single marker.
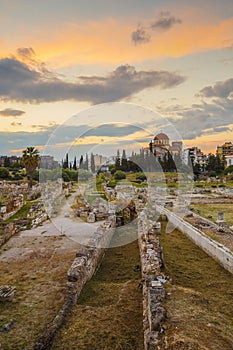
(65, 176)
(228, 170)
(112, 169)
(4, 173)
(141, 176)
(212, 174)
(112, 183)
(84, 175)
(119, 175)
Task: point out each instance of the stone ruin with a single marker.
(98, 211)
(7, 293)
(154, 313)
(37, 214)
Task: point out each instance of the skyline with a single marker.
(60, 58)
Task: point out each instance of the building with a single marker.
(196, 156)
(100, 161)
(48, 162)
(159, 146)
(176, 148)
(9, 161)
(225, 149)
(229, 160)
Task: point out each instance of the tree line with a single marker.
(148, 161)
(83, 163)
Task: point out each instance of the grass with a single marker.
(39, 275)
(108, 314)
(200, 304)
(21, 213)
(214, 209)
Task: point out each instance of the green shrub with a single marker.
(141, 176)
(120, 175)
(112, 183)
(4, 173)
(228, 170)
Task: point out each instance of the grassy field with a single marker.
(37, 267)
(214, 209)
(108, 314)
(200, 304)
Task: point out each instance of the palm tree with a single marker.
(30, 160)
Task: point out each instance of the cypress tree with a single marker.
(118, 161)
(75, 163)
(81, 163)
(92, 163)
(124, 162)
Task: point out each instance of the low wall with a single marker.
(154, 314)
(216, 250)
(82, 269)
(7, 230)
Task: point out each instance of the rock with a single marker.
(7, 293)
(7, 327)
(137, 268)
(91, 218)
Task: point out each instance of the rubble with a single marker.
(7, 293)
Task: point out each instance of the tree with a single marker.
(215, 164)
(151, 146)
(4, 173)
(124, 162)
(85, 164)
(92, 163)
(219, 165)
(171, 166)
(7, 162)
(118, 161)
(228, 170)
(81, 163)
(75, 163)
(66, 162)
(30, 160)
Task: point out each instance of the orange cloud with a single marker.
(109, 42)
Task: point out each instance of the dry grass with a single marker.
(109, 312)
(213, 209)
(37, 266)
(200, 305)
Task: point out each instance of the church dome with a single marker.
(161, 136)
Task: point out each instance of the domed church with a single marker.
(161, 140)
(160, 145)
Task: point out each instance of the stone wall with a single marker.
(216, 250)
(7, 230)
(154, 314)
(85, 264)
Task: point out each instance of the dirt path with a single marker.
(108, 314)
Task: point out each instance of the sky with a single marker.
(164, 65)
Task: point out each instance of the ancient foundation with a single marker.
(82, 269)
(154, 314)
(216, 250)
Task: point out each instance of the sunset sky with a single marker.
(59, 58)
